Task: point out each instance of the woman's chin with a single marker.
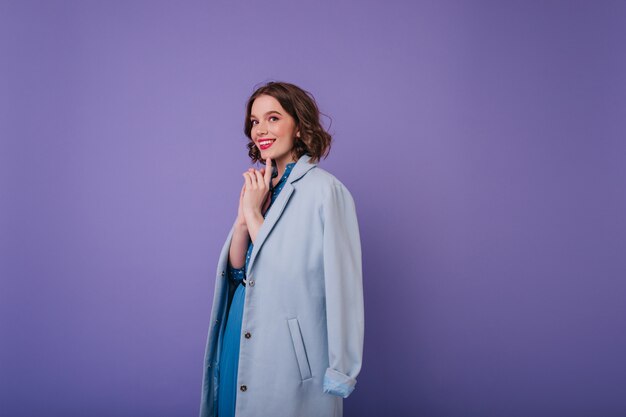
(268, 154)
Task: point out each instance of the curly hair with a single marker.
(314, 140)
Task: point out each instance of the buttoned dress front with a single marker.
(291, 343)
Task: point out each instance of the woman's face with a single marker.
(273, 129)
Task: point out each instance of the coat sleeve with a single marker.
(343, 290)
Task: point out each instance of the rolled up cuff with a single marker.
(337, 383)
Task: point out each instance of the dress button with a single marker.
(251, 283)
(248, 335)
(222, 273)
(243, 388)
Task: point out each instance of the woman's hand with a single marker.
(256, 190)
(266, 204)
(241, 219)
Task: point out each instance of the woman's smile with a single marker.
(272, 127)
(265, 143)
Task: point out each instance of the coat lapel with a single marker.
(303, 165)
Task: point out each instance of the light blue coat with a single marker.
(303, 305)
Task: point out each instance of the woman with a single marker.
(287, 323)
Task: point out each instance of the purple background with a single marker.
(483, 142)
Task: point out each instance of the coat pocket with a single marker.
(298, 345)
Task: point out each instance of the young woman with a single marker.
(287, 323)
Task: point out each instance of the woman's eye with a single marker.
(273, 117)
(253, 122)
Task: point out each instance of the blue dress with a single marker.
(229, 357)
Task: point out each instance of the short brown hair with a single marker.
(314, 140)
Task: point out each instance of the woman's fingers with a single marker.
(256, 193)
(267, 175)
(249, 172)
(248, 179)
(259, 178)
(255, 179)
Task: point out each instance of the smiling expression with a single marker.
(273, 130)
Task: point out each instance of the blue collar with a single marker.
(288, 169)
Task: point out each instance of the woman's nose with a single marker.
(260, 128)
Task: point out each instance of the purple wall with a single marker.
(490, 185)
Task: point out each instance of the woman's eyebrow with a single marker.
(266, 113)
